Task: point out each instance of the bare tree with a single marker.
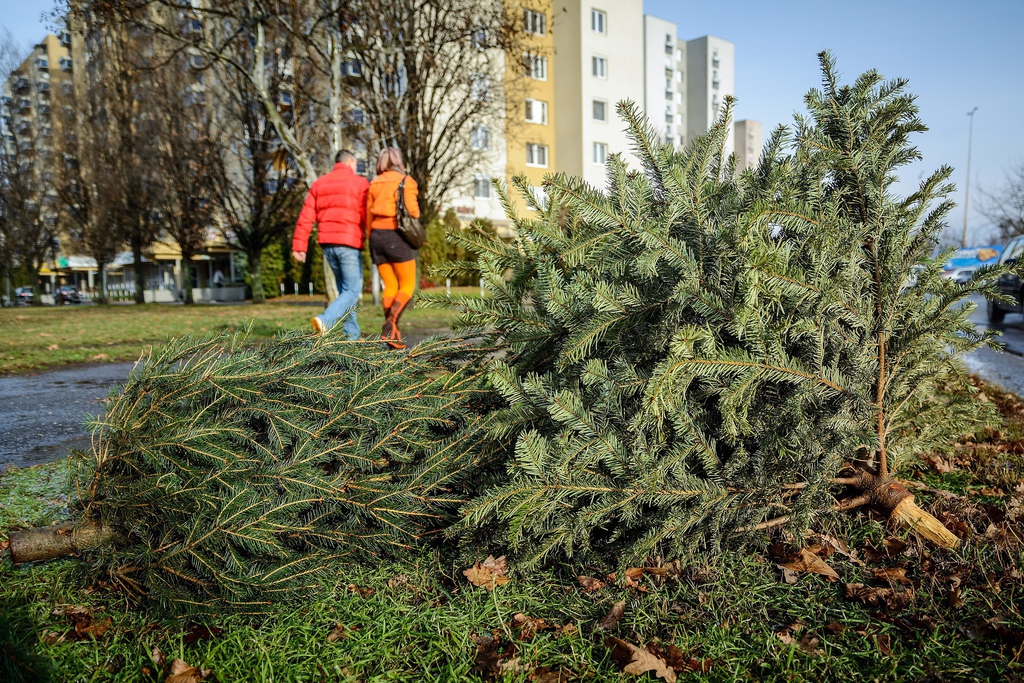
(1005, 207)
(423, 73)
(119, 76)
(261, 189)
(188, 161)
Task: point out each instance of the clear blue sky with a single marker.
(957, 55)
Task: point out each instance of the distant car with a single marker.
(23, 296)
(1008, 284)
(67, 295)
(960, 275)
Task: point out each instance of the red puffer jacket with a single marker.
(337, 203)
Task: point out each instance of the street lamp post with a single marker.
(967, 191)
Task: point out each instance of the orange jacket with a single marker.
(380, 201)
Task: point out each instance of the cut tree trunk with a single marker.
(892, 499)
(51, 542)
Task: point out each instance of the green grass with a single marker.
(34, 339)
(422, 618)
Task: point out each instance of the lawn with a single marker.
(34, 339)
(900, 610)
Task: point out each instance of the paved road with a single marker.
(42, 416)
(1003, 368)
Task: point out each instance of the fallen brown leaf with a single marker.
(362, 592)
(878, 597)
(183, 673)
(489, 574)
(611, 620)
(788, 575)
(52, 638)
(528, 627)
(493, 658)
(680, 662)
(200, 632)
(99, 356)
(810, 562)
(896, 575)
(52, 347)
(337, 633)
(399, 580)
(590, 584)
(638, 661)
(566, 630)
(158, 657)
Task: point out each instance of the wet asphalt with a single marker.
(42, 416)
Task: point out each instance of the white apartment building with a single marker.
(598, 61)
(665, 79)
(710, 76)
(748, 143)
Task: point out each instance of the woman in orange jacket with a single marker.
(394, 257)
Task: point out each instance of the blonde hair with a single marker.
(390, 159)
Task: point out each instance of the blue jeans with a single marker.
(347, 264)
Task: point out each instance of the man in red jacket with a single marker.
(337, 204)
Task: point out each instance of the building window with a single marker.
(714, 57)
(669, 44)
(479, 38)
(540, 195)
(536, 66)
(358, 117)
(600, 152)
(481, 187)
(481, 138)
(535, 22)
(600, 110)
(536, 155)
(361, 166)
(536, 111)
(480, 87)
(598, 21)
(599, 66)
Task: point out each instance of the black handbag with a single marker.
(410, 228)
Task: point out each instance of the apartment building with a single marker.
(710, 75)
(665, 80)
(597, 62)
(35, 103)
(748, 143)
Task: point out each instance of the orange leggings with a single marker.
(399, 282)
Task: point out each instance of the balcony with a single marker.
(43, 63)
(23, 128)
(42, 87)
(24, 104)
(65, 39)
(67, 89)
(43, 110)
(715, 62)
(25, 146)
(715, 84)
(285, 99)
(21, 83)
(46, 132)
(65, 64)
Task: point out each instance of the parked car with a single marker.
(67, 295)
(23, 296)
(1008, 284)
(960, 275)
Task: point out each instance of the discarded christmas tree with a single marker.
(696, 354)
(226, 477)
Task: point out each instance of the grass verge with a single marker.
(920, 614)
(33, 339)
